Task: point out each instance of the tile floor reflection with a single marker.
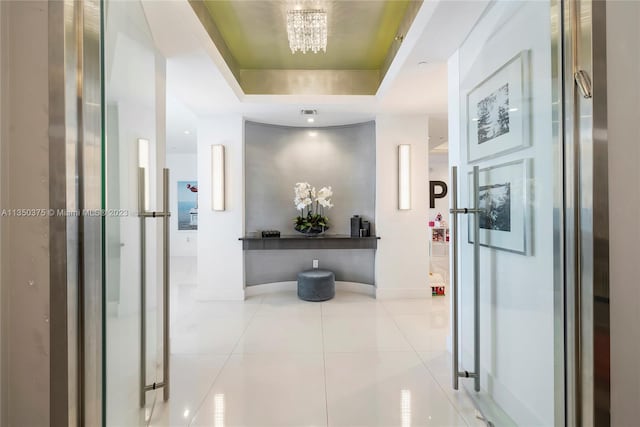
(277, 361)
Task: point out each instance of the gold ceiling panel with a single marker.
(252, 37)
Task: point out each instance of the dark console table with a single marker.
(328, 241)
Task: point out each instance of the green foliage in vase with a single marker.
(311, 205)
(311, 222)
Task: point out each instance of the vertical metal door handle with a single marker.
(165, 215)
(143, 288)
(476, 275)
(454, 276)
(475, 211)
(165, 282)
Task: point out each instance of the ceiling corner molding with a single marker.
(421, 13)
(210, 27)
(412, 11)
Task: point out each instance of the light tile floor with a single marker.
(277, 361)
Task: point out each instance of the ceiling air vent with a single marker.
(308, 112)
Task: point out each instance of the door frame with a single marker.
(586, 236)
(75, 161)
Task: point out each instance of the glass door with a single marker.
(509, 339)
(135, 326)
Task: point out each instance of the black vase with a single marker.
(356, 225)
(366, 225)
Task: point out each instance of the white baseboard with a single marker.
(403, 293)
(268, 288)
(219, 295)
(360, 288)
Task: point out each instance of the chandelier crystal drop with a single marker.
(307, 30)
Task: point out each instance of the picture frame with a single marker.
(498, 111)
(505, 223)
(187, 205)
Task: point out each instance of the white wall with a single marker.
(25, 241)
(517, 291)
(402, 258)
(623, 69)
(182, 167)
(220, 255)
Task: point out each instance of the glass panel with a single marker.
(508, 130)
(130, 132)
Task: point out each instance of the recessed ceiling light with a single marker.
(187, 132)
(422, 64)
(310, 120)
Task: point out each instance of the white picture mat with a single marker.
(515, 74)
(516, 174)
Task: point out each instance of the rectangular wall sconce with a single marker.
(144, 158)
(217, 177)
(404, 177)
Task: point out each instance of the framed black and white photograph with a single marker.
(498, 111)
(503, 199)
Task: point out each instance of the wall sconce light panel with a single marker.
(404, 177)
(144, 161)
(217, 177)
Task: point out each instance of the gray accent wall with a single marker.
(352, 265)
(276, 158)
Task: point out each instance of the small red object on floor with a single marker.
(437, 291)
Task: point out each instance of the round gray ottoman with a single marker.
(316, 285)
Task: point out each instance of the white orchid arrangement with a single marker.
(314, 202)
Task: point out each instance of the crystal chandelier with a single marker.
(307, 30)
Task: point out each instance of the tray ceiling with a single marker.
(360, 34)
(361, 43)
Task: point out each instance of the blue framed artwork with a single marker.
(187, 205)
